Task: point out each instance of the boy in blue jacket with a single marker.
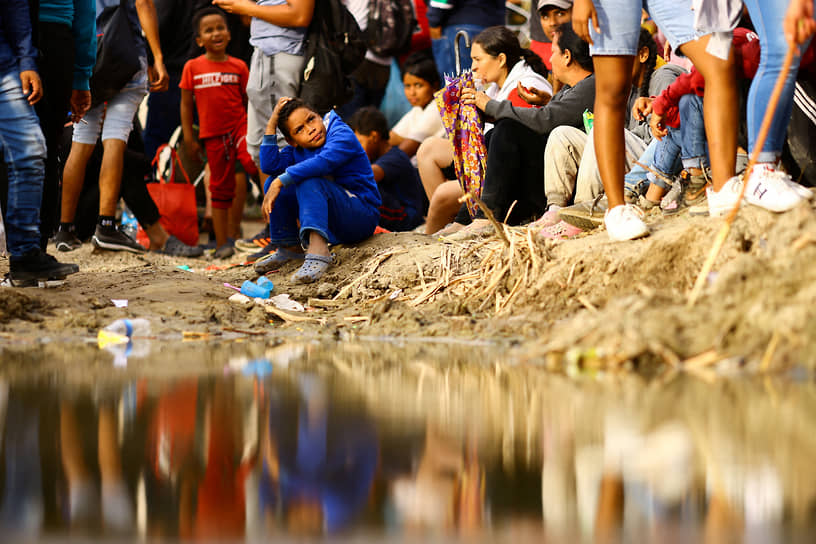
(322, 181)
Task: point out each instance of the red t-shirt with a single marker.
(219, 89)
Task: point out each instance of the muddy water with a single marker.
(239, 440)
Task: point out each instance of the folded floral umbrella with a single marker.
(464, 128)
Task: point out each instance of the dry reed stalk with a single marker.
(240, 331)
(587, 304)
(292, 318)
(760, 142)
(571, 272)
(655, 172)
(324, 303)
(488, 214)
(421, 275)
(702, 360)
(767, 357)
(533, 254)
(377, 262)
(515, 291)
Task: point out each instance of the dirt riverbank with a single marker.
(586, 301)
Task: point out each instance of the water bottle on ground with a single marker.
(130, 225)
(123, 330)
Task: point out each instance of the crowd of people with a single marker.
(618, 106)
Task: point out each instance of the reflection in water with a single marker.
(413, 441)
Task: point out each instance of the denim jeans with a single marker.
(619, 21)
(444, 50)
(23, 147)
(688, 141)
(324, 207)
(767, 16)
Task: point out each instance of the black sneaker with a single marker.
(113, 239)
(224, 252)
(266, 250)
(177, 248)
(66, 240)
(35, 266)
(253, 243)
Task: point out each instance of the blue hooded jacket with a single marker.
(341, 159)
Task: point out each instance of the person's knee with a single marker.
(557, 142)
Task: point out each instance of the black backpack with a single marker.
(334, 48)
(391, 23)
(117, 57)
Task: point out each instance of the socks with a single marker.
(67, 227)
(107, 221)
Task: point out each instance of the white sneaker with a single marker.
(772, 189)
(625, 223)
(721, 202)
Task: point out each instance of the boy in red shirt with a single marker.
(216, 84)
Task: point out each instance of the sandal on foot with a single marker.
(313, 268)
(274, 260)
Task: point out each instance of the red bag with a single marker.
(176, 201)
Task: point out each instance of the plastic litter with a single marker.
(118, 339)
(238, 298)
(283, 302)
(120, 302)
(254, 290)
(265, 282)
(122, 330)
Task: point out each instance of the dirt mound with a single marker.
(15, 304)
(586, 301)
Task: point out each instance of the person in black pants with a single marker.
(66, 42)
(515, 150)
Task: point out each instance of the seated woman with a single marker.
(320, 189)
(515, 149)
(420, 80)
(500, 65)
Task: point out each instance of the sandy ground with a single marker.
(586, 301)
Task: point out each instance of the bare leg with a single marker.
(444, 206)
(73, 177)
(433, 155)
(613, 81)
(220, 219)
(610, 509)
(236, 212)
(157, 235)
(318, 245)
(719, 109)
(110, 176)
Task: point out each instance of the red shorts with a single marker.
(222, 151)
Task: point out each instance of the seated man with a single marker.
(398, 181)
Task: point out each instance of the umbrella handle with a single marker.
(461, 33)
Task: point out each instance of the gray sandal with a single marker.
(312, 269)
(274, 260)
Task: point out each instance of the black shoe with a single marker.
(224, 252)
(266, 250)
(36, 266)
(177, 248)
(113, 239)
(66, 240)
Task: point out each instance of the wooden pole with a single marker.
(760, 141)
